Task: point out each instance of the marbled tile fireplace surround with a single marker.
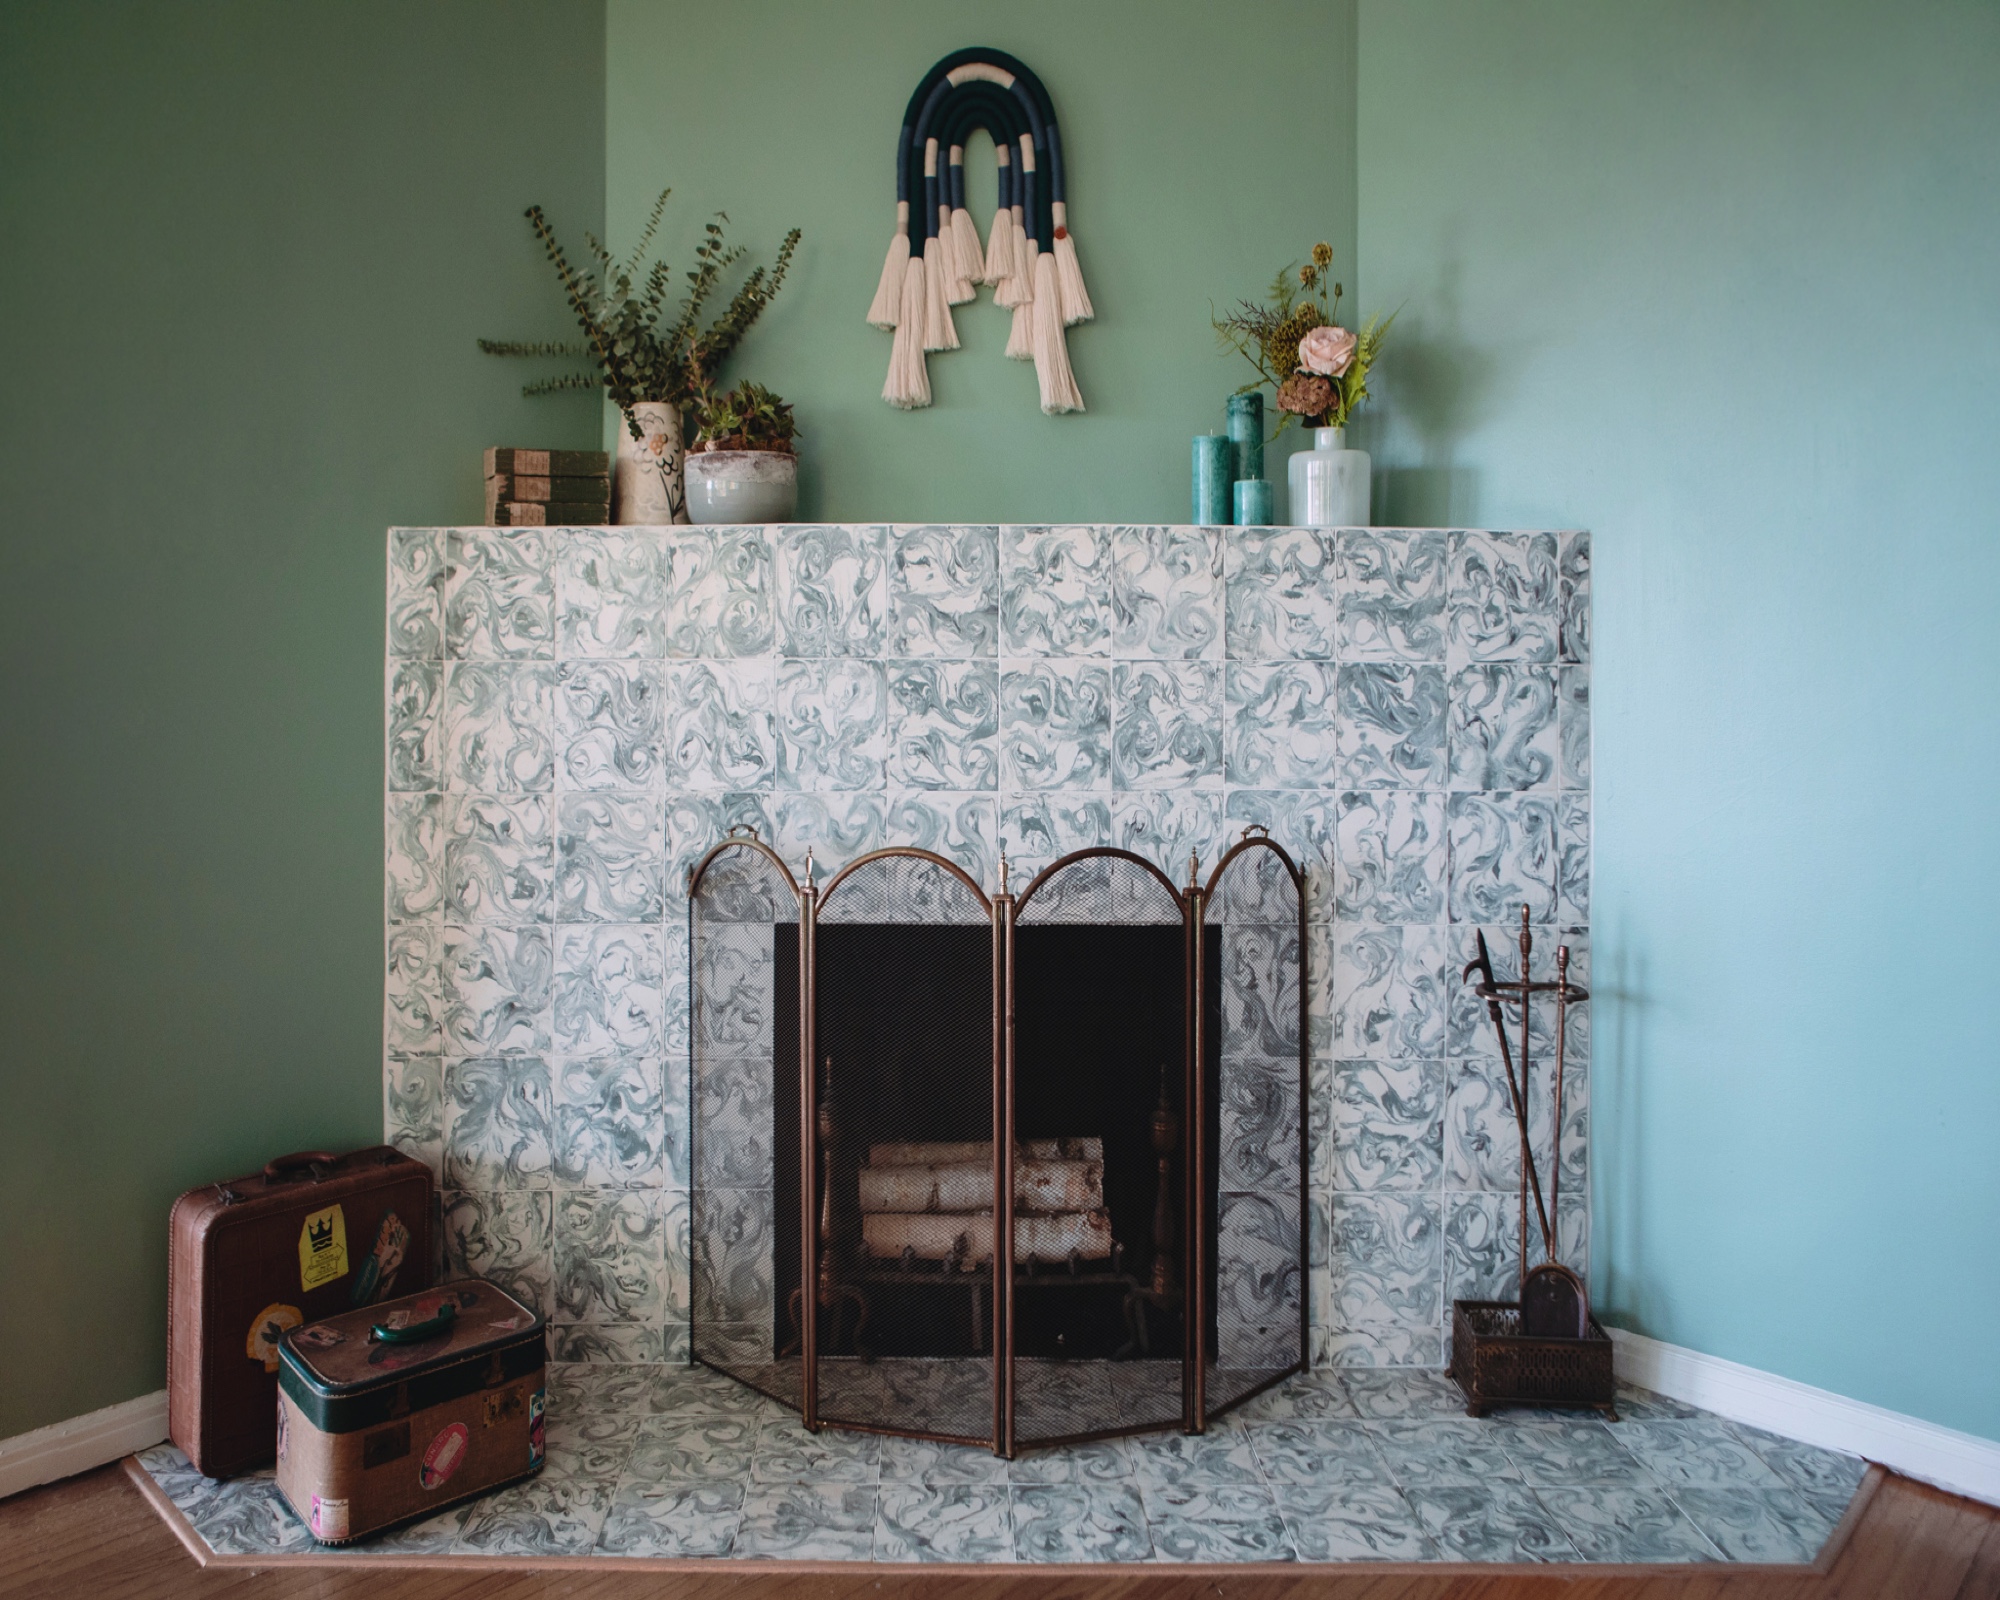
(574, 715)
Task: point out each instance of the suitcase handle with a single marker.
(298, 1161)
(416, 1332)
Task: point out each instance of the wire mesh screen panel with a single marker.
(904, 1171)
(1254, 1182)
(743, 919)
(1100, 1000)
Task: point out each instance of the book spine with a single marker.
(547, 463)
(511, 486)
(553, 514)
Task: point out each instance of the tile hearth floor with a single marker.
(1336, 1465)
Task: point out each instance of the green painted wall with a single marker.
(1717, 281)
(247, 250)
(1205, 151)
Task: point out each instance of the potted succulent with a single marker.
(743, 467)
(654, 369)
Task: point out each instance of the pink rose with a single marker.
(1327, 351)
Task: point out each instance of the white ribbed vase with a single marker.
(1329, 483)
(650, 485)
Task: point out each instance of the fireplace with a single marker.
(1001, 1169)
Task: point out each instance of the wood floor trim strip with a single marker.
(1857, 1508)
(167, 1511)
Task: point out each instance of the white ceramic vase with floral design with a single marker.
(650, 484)
(1329, 483)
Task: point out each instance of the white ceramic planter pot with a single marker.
(742, 486)
(1329, 483)
(649, 482)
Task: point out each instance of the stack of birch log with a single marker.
(934, 1202)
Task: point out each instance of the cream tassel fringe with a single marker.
(1021, 337)
(909, 384)
(958, 287)
(939, 331)
(1059, 390)
(971, 261)
(889, 292)
(1069, 273)
(1017, 287)
(999, 247)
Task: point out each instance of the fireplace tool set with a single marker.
(1543, 1348)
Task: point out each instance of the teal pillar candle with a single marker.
(1214, 469)
(1255, 503)
(1246, 434)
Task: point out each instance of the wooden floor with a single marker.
(94, 1538)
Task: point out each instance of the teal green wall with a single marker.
(247, 250)
(1205, 151)
(1718, 282)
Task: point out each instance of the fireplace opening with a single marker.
(1002, 1170)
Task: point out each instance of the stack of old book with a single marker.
(547, 488)
(935, 1202)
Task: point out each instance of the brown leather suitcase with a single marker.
(310, 1235)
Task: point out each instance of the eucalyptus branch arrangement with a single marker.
(1318, 368)
(638, 354)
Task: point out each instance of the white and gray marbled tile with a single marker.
(1391, 995)
(413, 1107)
(248, 1516)
(679, 1398)
(929, 1461)
(612, 588)
(1282, 725)
(1391, 585)
(832, 724)
(1259, 1275)
(1482, 1246)
(1281, 594)
(1392, 855)
(498, 1114)
(1102, 1462)
(731, 1263)
(1568, 1453)
(1259, 1122)
(1353, 1523)
(696, 823)
(1803, 1466)
(735, 986)
(1383, 1253)
(944, 591)
(1503, 856)
(695, 1449)
(1392, 726)
(499, 594)
(1055, 725)
(1222, 1456)
(1386, 1131)
(944, 724)
(609, 1245)
(836, 825)
(1643, 1405)
(1205, 1536)
(414, 857)
(964, 828)
(673, 1520)
(414, 1004)
(1482, 1140)
(1167, 725)
(1573, 858)
(1319, 1454)
(622, 1343)
(1504, 732)
(807, 1522)
(610, 725)
(1628, 1523)
(718, 593)
(1165, 826)
(499, 858)
(1393, 1346)
(497, 983)
(542, 1517)
(1698, 1453)
(608, 986)
(1573, 716)
(944, 1522)
(733, 1123)
(832, 589)
(499, 727)
(506, 1237)
(1055, 591)
(1502, 597)
(1306, 1397)
(789, 1452)
(416, 594)
(1167, 593)
(610, 858)
(1489, 1522)
(1304, 823)
(721, 724)
(1573, 642)
(1068, 1522)
(1203, 1501)
(1444, 1452)
(1470, 1030)
(609, 1127)
(1408, 1394)
(1756, 1524)
(413, 736)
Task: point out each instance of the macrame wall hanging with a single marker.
(1029, 257)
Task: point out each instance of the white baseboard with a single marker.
(1961, 1462)
(63, 1449)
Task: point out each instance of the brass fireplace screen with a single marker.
(901, 1082)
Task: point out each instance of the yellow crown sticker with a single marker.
(323, 1248)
